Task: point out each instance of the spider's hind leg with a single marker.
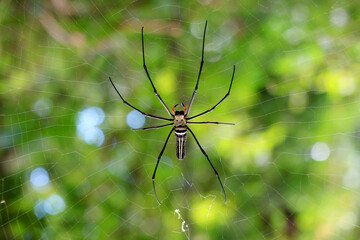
(216, 173)
(157, 164)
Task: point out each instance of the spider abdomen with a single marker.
(180, 138)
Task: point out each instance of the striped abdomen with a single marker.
(180, 138)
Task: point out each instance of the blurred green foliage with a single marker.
(294, 99)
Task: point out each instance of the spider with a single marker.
(179, 119)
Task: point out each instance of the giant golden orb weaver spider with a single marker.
(179, 119)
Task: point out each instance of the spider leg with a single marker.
(157, 164)
(145, 114)
(156, 127)
(210, 123)
(226, 95)
(203, 151)
(201, 66)
(148, 75)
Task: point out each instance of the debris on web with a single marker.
(184, 226)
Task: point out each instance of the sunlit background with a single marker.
(72, 165)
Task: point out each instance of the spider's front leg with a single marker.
(128, 104)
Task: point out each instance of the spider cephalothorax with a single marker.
(179, 119)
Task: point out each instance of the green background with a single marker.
(296, 85)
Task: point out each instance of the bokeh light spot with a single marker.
(348, 221)
(43, 107)
(93, 136)
(39, 178)
(320, 151)
(135, 120)
(339, 17)
(351, 178)
(346, 84)
(87, 123)
(54, 205)
(39, 209)
(294, 35)
(300, 13)
(90, 117)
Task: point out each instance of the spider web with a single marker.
(71, 167)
